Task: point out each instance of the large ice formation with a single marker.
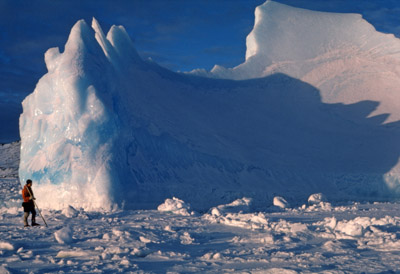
(340, 54)
(105, 128)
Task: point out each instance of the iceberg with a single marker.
(104, 129)
(340, 54)
(69, 127)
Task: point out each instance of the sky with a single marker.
(181, 35)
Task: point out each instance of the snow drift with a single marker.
(105, 128)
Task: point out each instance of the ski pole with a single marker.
(40, 213)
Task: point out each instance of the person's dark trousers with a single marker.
(29, 207)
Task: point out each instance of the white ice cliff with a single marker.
(105, 128)
(340, 54)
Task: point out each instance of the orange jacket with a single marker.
(25, 193)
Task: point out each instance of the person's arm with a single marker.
(30, 193)
(25, 194)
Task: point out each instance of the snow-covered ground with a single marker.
(316, 238)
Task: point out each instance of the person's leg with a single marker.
(26, 214)
(33, 211)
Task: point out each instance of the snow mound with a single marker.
(6, 246)
(175, 206)
(64, 235)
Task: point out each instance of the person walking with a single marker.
(28, 204)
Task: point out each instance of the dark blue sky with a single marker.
(178, 34)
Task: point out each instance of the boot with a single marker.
(34, 222)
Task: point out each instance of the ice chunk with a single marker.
(64, 235)
(350, 228)
(238, 206)
(280, 202)
(175, 206)
(316, 199)
(70, 212)
(186, 239)
(6, 246)
(71, 253)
